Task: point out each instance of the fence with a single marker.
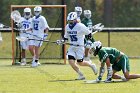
(124, 39)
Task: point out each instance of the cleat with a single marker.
(34, 64)
(108, 80)
(38, 63)
(23, 63)
(80, 78)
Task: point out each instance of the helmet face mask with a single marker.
(27, 13)
(37, 10)
(97, 47)
(78, 10)
(71, 22)
(87, 14)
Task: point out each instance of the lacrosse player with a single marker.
(119, 61)
(75, 33)
(40, 29)
(88, 23)
(78, 10)
(25, 26)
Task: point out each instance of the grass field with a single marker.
(54, 78)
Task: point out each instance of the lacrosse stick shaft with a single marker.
(94, 32)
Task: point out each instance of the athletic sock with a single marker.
(80, 73)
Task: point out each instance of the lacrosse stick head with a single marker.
(15, 15)
(22, 39)
(98, 27)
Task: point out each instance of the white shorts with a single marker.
(35, 42)
(76, 52)
(24, 45)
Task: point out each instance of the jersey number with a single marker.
(36, 26)
(26, 26)
(73, 37)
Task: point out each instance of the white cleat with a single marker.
(80, 78)
(34, 64)
(38, 63)
(94, 68)
(23, 63)
(123, 78)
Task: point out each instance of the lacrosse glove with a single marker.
(89, 44)
(45, 36)
(109, 75)
(60, 42)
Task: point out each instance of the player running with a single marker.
(40, 30)
(75, 33)
(88, 23)
(25, 26)
(78, 10)
(119, 61)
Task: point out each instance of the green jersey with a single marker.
(88, 23)
(108, 52)
(113, 54)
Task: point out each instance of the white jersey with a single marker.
(39, 25)
(77, 34)
(26, 24)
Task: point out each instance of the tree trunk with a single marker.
(108, 12)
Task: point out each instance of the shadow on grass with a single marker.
(102, 82)
(63, 80)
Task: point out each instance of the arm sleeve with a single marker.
(66, 34)
(103, 56)
(45, 23)
(85, 29)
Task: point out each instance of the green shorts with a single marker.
(122, 64)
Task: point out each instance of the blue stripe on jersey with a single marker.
(71, 26)
(37, 16)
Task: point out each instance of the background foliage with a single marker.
(125, 12)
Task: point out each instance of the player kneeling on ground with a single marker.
(119, 61)
(75, 33)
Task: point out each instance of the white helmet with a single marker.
(37, 10)
(72, 16)
(87, 13)
(27, 13)
(78, 10)
(97, 45)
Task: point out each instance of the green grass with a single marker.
(127, 42)
(54, 78)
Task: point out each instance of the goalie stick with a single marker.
(16, 16)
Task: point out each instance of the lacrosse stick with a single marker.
(61, 42)
(16, 16)
(23, 39)
(98, 28)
